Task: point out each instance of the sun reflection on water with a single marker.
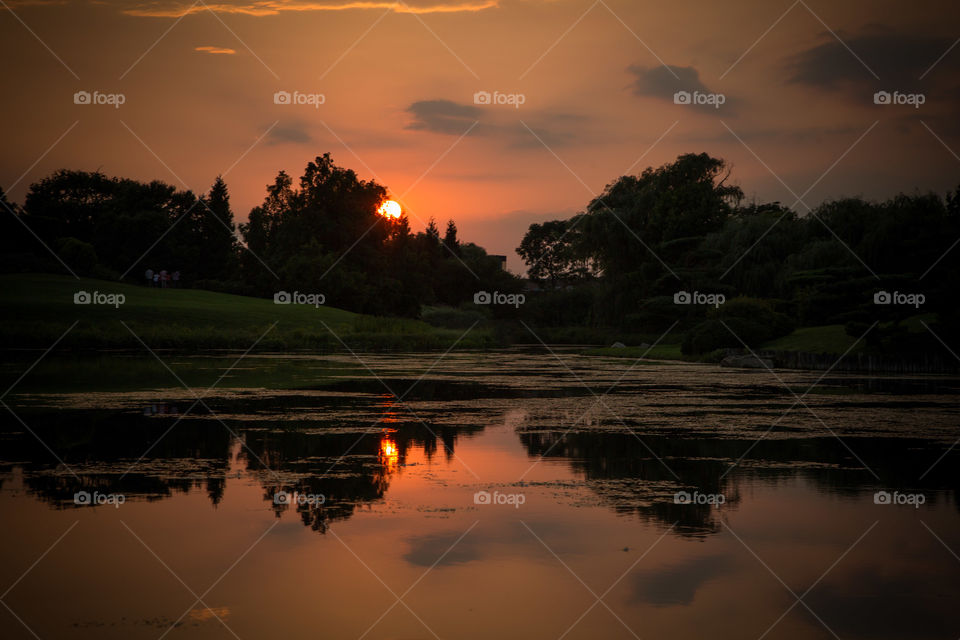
(389, 453)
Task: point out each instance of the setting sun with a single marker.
(389, 209)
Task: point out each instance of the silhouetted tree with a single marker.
(552, 253)
(450, 238)
(217, 248)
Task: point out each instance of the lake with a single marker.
(522, 493)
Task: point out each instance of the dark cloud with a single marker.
(426, 551)
(289, 133)
(506, 123)
(443, 116)
(659, 82)
(677, 584)
(898, 60)
(664, 82)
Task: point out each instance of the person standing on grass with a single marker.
(164, 278)
(176, 279)
(149, 275)
(156, 278)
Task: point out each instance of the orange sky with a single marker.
(398, 83)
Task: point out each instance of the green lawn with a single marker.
(833, 338)
(39, 308)
(826, 339)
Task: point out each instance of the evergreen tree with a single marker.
(450, 238)
(433, 233)
(215, 234)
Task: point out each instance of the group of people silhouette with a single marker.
(162, 279)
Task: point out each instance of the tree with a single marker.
(636, 216)
(12, 233)
(450, 238)
(551, 255)
(215, 230)
(129, 224)
(401, 230)
(433, 233)
(326, 236)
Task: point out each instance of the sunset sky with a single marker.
(596, 81)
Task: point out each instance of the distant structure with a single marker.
(502, 259)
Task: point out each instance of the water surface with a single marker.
(388, 463)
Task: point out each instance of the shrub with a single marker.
(748, 320)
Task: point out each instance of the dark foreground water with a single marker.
(508, 495)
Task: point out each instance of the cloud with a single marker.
(677, 584)
(216, 50)
(289, 133)
(551, 129)
(443, 116)
(663, 81)
(173, 9)
(898, 60)
(429, 550)
(505, 123)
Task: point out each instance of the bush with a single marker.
(79, 255)
(748, 320)
(450, 318)
(560, 307)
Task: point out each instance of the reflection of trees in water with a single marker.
(353, 467)
(197, 453)
(629, 478)
(101, 447)
(347, 469)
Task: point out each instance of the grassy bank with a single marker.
(39, 308)
(659, 352)
(826, 339)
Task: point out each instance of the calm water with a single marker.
(505, 496)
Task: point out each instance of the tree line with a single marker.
(683, 228)
(617, 267)
(322, 234)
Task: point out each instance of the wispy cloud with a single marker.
(164, 9)
(504, 123)
(442, 116)
(218, 50)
